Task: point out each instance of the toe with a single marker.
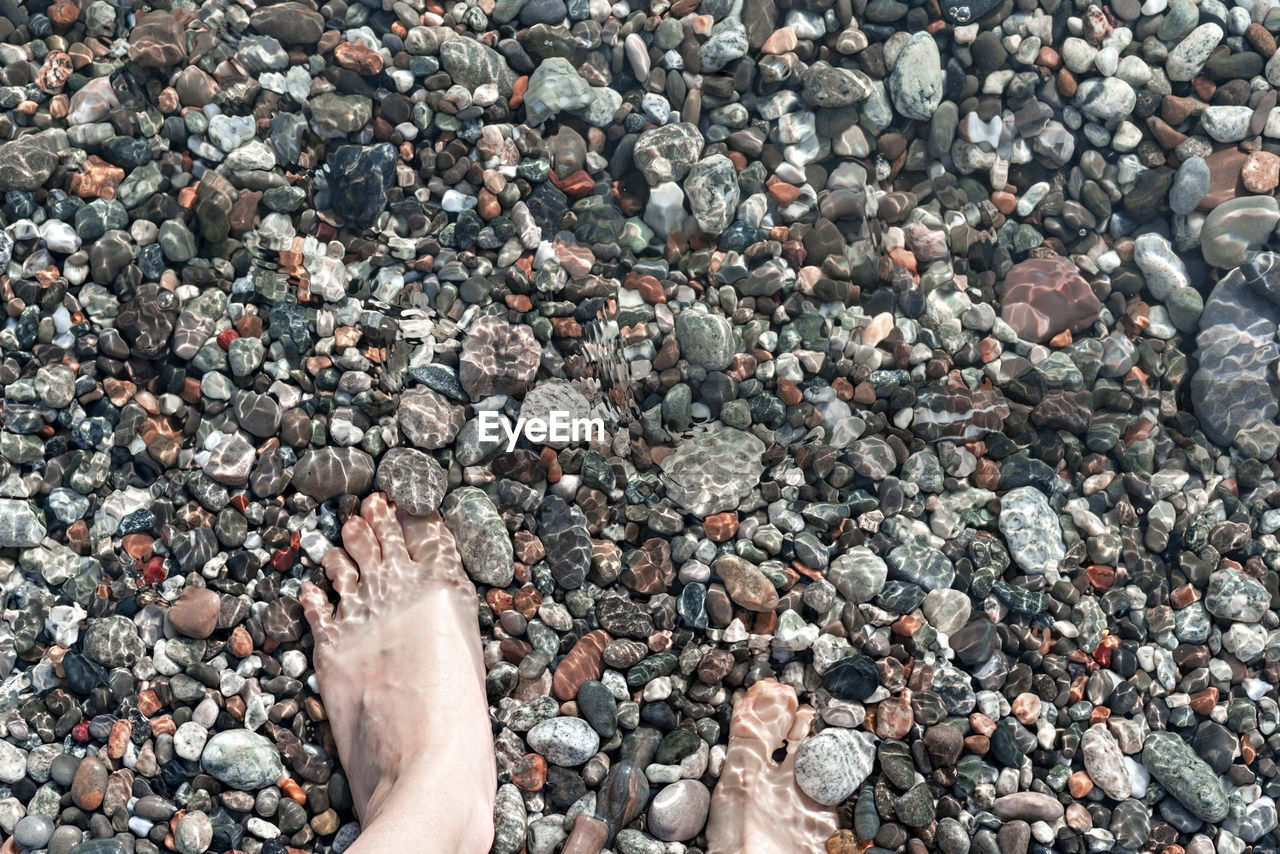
(799, 732)
(432, 544)
(361, 544)
(382, 520)
(766, 713)
(342, 572)
(318, 611)
(421, 534)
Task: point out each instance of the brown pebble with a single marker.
(357, 58)
(746, 585)
(1049, 58)
(195, 612)
(63, 13)
(1261, 172)
(1175, 109)
(118, 740)
(1168, 138)
(581, 663)
(789, 392)
(240, 643)
(1079, 784)
(720, 527)
(1067, 83)
(89, 785)
(1026, 707)
(1262, 40)
(844, 842)
(894, 717)
(326, 823)
(530, 773)
(1004, 202)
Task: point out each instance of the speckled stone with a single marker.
(832, 764)
(1234, 596)
(1032, 530)
(564, 741)
(482, 538)
(428, 419)
(1185, 775)
(498, 358)
(412, 479)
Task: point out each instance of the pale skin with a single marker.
(401, 672)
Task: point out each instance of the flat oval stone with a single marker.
(1028, 806)
(581, 663)
(1236, 345)
(916, 83)
(33, 831)
(89, 785)
(1235, 227)
(679, 812)
(322, 473)
(1041, 297)
(746, 584)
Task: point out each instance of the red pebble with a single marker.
(153, 571)
(225, 337)
(282, 560)
(80, 732)
(1102, 654)
(530, 773)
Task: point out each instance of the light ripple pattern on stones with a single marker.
(714, 470)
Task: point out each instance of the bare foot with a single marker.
(402, 676)
(757, 808)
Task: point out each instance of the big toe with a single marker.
(767, 713)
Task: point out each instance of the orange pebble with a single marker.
(1079, 784)
(293, 791)
(517, 91)
(720, 527)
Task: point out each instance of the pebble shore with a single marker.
(936, 344)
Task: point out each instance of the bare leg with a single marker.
(402, 677)
(756, 807)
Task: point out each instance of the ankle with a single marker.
(394, 787)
